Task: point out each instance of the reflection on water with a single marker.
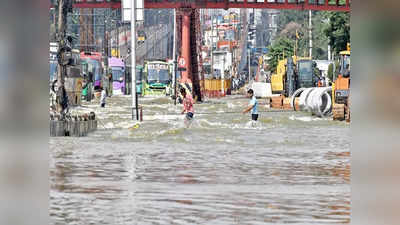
(287, 168)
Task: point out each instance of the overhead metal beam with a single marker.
(318, 5)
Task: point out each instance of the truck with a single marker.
(341, 87)
(157, 79)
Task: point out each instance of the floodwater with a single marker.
(289, 167)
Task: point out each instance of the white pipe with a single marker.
(315, 100)
(294, 96)
(303, 100)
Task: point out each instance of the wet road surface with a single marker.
(289, 167)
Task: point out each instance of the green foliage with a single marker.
(320, 40)
(287, 16)
(338, 30)
(281, 48)
(330, 71)
(328, 28)
(337, 68)
(292, 20)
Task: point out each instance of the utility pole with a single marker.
(223, 75)
(60, 39)
(135, 104)
(64, 6)
(248, 62)
(329, 52)
(118, 49)
(212, 42)
(104, 34)
(310, 32)
(174, 57)
(248, 49)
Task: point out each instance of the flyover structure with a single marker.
(321, 5)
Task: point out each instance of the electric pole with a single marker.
(310, 32)
(174, 57)
(135, 104)
(212, 42)
(64, 6)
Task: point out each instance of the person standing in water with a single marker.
(253, 105)
(187, 106)
(103, 97)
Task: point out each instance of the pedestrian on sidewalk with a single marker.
(103, 97)
(253, 105)
(187, 107)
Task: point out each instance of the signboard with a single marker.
(157, 66)
(181, 62)
(126, 10)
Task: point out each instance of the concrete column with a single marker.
(186, 75)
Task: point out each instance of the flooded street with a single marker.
(289, 167)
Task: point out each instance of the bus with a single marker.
(128, 80)
(117, 68)
(92, 69)
(141, 36)
(157, 77)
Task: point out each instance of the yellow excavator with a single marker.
(341, 87)
(291, 74)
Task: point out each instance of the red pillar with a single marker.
(186, 53)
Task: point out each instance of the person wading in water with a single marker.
(253, 105)
(187, 107)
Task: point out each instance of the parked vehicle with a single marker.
(117, 68)
(93, 70)
(157, 78)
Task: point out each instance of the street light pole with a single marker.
(248, 54)
(223, 75)
(174, 57)
(133, 60)
(118, 49)
(310, 33)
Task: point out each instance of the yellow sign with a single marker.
(115, 53)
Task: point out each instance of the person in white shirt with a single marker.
(103, 98)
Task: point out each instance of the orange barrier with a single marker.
(212, 88)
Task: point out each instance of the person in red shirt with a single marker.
(187, 106)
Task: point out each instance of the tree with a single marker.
(320, 40)
(291, 21)
(338, 30)
(287, 16)
(280, 49)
